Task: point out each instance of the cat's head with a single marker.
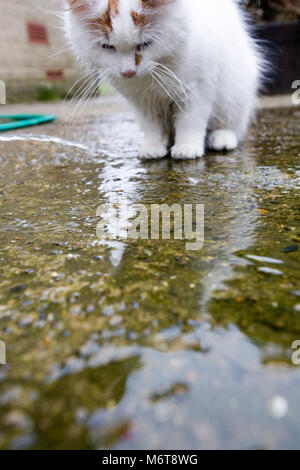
(122, 38)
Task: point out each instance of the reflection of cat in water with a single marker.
(187, 62)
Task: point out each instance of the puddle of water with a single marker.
(41, 138)
(134, 343)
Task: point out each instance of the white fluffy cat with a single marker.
(189, 67)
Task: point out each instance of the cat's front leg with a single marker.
(155, 144)
(190, 132)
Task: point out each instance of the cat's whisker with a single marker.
(92, 90)
(85, 93)
(74, 118)
(192, 92)
(82, 88)
(165, 86)
(178, 85)
(90, 95)
(82, 77)
(81, 99)
(89, 92)
(169, 72)
(65, 49)
(184, 103)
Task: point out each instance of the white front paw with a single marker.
(152, 151)
(187, 151)
(222, 139)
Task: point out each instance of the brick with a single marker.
(24, 65)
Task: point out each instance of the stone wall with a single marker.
(33, 69)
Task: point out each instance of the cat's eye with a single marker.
(143, 45)
(108, 47)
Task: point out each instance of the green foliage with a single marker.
(49, 92)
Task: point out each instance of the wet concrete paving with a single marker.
(140, 343)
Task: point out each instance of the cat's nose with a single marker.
(128, 73)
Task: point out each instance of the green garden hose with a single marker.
(24, 120)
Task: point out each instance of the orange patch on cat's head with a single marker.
(143, 19)
(152, 4)
(139, 19)
(104, 22)
(138, 59)
(78, 6)
(113, 7)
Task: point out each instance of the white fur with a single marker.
(200, 76)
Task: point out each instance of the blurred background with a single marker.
(35, 64)
(274, 10)
(33, 61)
